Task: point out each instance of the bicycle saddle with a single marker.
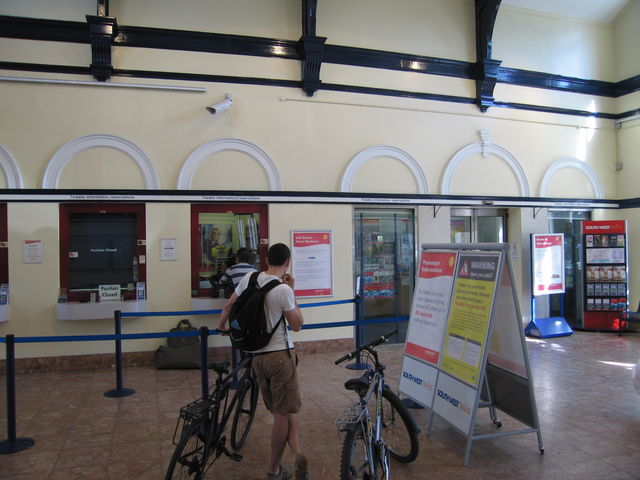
(220, 367)
(357, 384)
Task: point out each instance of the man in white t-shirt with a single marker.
(275, 364)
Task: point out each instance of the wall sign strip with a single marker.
(199, 196)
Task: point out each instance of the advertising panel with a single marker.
(417, 381)
(455, 401)
(548, 263)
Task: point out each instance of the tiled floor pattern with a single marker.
(588, 409)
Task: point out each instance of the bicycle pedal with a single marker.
(236, 457)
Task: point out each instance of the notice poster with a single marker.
(548, 263)
(430, 306)
(469, 316)
(312, 263)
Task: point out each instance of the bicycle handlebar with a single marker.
(375, 343)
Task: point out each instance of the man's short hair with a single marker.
(244, 255)
(278, 255)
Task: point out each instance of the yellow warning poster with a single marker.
(469, 316)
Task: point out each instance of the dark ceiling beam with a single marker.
(486, 68)
(311, 48)
(185, 40)
(102, 31)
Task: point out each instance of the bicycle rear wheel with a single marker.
(245, 412)
(188, 460)
(398, 430)
(355, 463)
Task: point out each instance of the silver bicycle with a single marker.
(377, 427)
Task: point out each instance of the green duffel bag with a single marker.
(184, 325)
(186, 356)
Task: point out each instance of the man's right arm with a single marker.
(294, 318)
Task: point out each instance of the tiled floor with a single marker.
(589, 414)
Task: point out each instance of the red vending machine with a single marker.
(604, 255)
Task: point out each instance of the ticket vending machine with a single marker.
(604, 279)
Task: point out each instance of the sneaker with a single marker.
(283, 474)
(300, 467)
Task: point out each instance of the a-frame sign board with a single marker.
(465, 344)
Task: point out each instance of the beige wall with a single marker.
(311, 141)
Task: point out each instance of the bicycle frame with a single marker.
(375, 445)
(214, 421)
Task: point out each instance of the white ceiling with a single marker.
(602, 11)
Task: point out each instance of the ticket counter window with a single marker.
(101, 245)
(217, 233)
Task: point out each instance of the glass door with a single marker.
(478, 225)
(567, 304)
(385, 270)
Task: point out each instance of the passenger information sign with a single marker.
(430, 306)
(465, 344)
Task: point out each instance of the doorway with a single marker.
(478, 225)
(384, 269)
(569, 222)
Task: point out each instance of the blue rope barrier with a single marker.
(193, 333)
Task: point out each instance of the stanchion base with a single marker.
(357, 366)
(115, 393)
(17, 445)
(407, 402)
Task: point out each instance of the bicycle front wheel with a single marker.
(245, 411)
(397, 428)
(355, 463)
(188, 460)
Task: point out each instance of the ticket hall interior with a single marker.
(143, 144)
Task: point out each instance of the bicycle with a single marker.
(372, 438)
(202, 423)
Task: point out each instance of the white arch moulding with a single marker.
(376, 151)
(10, 169)
(196, 158)
(60, 159)
(484, 147)
(575, 164)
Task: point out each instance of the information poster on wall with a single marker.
(312, 264)
(548, 263)
(469, 316)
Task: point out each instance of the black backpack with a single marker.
(248, 319)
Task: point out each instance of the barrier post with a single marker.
(12, 444)
(359, 314)
(119, 391)
(204, 360)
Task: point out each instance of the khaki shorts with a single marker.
(278, 381)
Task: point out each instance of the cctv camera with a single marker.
(220, 106)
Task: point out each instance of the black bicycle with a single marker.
(200, 432)
(378, 426)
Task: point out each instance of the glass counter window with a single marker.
(101, 245)
(218, 232)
